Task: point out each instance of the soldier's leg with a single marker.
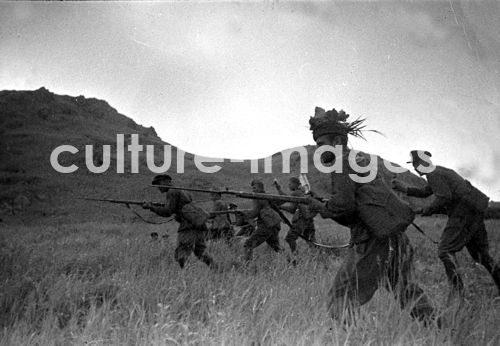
(399, 274)
(291, 238)
(200, 248)
(185, 245)
(478, 249)
(452, 240)
(357, 279)
(310, 231)
(273, 239)
(259, 236)
(228, 234)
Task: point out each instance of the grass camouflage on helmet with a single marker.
(335, 123)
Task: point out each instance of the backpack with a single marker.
(474, 198)
(382, 211)
(195, 215)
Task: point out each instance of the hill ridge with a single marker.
(33, 123)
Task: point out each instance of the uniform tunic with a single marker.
(189, 238)
(302, 221)
(371, 262)
(262, 233)
(465, 226)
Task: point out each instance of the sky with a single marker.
(240, 80)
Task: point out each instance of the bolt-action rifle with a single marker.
(128, 203)
(121, 201)
(242, 194)
(225, 212)
(156, 204)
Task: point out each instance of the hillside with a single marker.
(34, 123)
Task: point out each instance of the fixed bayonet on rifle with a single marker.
(122, 201)
(242, 194)
(128, 203)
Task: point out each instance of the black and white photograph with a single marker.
(250, 173)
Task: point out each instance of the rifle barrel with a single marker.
(119, 201)
(222, 212)
(242, 194)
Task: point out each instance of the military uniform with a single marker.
(302, 221)
(263, 233)
(189, 238)
(221, 224)
(465, 227)
(371, 262)
(246, 228)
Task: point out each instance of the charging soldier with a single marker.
(303, 218)
(465, 206)
(221, 224)
(268, 223)
(190, 238)
(375, 258)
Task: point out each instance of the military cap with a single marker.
(257, 182)
(161, 177)
(294, 180)
(418, 155)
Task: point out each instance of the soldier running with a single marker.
(465, 206)
(303, 218)
(373, 260)
(189, 237)
(268, 223)
(221, 224)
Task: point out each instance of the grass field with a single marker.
(101, 284)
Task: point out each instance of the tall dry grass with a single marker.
(109, 284)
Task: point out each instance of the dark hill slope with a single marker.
(34, 123)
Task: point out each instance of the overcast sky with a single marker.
(241, 80)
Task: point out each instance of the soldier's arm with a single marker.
(419, 192)
(289, 207)
(292, 207)
(437, 206)
(170, 205)
(442, 191)
(282, 193)
(255, 211)
(343, 203)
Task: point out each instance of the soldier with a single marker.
(303, 218)
(373, 260)
(221, 224)
(189, 237)
(268, 223)
(465, 206)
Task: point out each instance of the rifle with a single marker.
(127, 204)
(289, 224)
(121, 201)
(225, 212)
(242, 194)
